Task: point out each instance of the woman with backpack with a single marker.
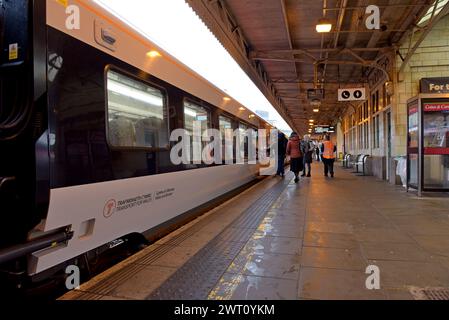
(296, 156)
(307, 148)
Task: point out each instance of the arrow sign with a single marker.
(354, 94)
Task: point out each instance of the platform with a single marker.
(279, 240)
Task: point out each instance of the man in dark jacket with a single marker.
(307, 148)
(282, 147)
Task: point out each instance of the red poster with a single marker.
(412, 110)
(436, 107)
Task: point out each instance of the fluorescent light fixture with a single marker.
(134, 93)
(324, 25)
(428, 15)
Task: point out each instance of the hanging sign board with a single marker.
(355, 94)
(434, 85)
(313, 94)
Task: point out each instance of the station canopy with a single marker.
(279, 37)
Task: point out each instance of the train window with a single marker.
(136, 113)
(193, 112)
(226, 133)
(243, 135)
(225, 123)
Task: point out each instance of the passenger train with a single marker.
(85, 120)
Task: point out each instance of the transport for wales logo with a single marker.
(112, 206)
(109, 208)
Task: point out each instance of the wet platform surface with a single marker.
(281, 240)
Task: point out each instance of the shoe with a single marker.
(332, 175)
(308, 176)
(327, 176)
(303, 175)
(296, 180)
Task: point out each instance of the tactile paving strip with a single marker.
(200, 274)
(110, 283)
(430, 293)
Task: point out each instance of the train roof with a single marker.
(133, 47)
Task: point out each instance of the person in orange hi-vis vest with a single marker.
(328, 149)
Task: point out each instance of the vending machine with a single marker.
(428, 142)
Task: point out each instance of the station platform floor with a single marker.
(281, 240)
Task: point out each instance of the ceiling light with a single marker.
(316, 110)
(311, 120)
(242, 109)
(227, 99)
(153, 54)
(251, 116)
(323, 25)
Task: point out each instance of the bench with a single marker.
(346, 160)
(360, 162)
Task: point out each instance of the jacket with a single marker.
(293, 148)
(282, 144)
(307, 148)
(328, 149)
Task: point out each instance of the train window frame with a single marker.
(231, 120)
(146, 82)
(200, 104)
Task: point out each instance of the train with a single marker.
(85, 121)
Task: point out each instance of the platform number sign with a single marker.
(355, 94)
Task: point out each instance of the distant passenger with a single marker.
(318, 151)
(282, 148)
(296, 157)
(307, 147)
(328, 149)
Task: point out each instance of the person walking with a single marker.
(296, 157)
(328, 149)
(307, 150)
(317, 150)
(282, 148)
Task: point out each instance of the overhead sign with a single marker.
(434, 85)
(313, 94)
(436, 107)
(354, 94)
(322, 129)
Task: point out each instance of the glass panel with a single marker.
(413, 167)
(436, 171)
(225, 123)
(436, 126)
(193, 112)
(226, 133)
(136, 113)
(244, 136)
(413, 138)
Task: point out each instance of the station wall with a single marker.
(378, 127)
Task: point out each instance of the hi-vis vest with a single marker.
(328, 150)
